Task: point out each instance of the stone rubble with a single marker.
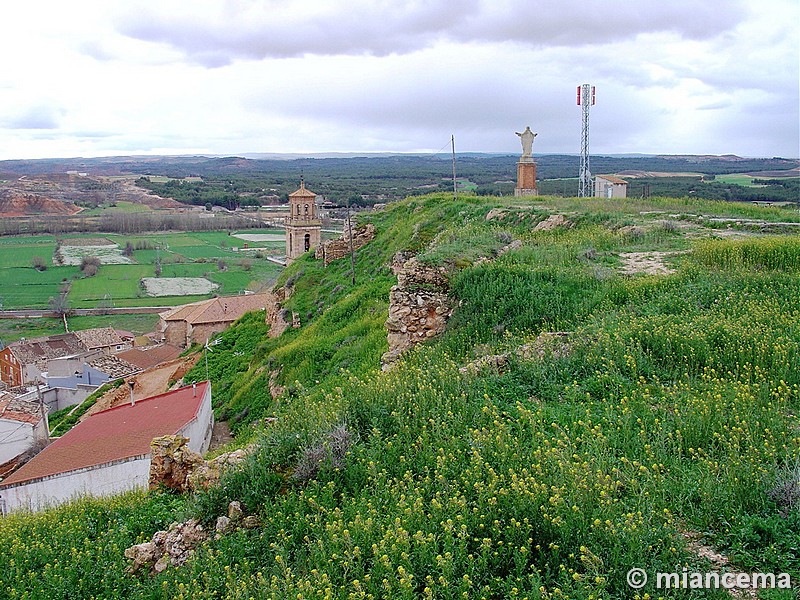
(556, 343)
(177, 467)
(167, 548)
(339, 248)
(172, 462)
(552, 222)
(175, 546)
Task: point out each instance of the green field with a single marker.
(179, 254)
(14, 329)
(118, 207)
(25, 287)
(737, 179)
(19, 252)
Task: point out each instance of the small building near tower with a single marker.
(303, 227)
(610, 186)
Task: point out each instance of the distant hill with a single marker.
(550, 165)
(367, 179)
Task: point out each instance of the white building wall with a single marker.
(603, 188)
(58, 398)
(15, 438)
(101, 480)
(199, 430)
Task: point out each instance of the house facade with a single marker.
(71, 379)
(24, 361)
(196, 323)
(109, 452)
(23, 427)
(610, 186)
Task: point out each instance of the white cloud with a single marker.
(234, 76)
(278, 29)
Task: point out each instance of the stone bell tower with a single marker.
(303, 227)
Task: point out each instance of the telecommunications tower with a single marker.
(585, 100)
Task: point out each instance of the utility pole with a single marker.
(455, 186)
(585, 100)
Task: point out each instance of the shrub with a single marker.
(38, 263)
(327, 453)
(90, 265)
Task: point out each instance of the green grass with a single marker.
(737, 179)
(115, 283)
(675, 409)
(119, 207)
(14, 329)
(771, 253)
(25, 287)
(22, 254)
(135, 323)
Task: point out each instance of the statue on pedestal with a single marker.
(526, 137)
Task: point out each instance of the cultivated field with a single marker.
(216, 257)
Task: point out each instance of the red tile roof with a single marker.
(100, 337)
(114, 434)
(23, 411)
(40, 350)
(224, 309)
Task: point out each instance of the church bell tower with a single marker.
(303, 227)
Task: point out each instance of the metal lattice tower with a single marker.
(585, 100)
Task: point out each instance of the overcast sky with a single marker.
(111, 77)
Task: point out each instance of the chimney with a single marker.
(194, 389)
(131, 383)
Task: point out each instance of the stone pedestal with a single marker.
(526, 178)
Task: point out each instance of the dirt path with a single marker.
(220, 435)
(649, 263)
(149, 382)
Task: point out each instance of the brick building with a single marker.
(197, 322)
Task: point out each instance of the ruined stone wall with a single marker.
(176, 333)
(419, 307)
(339, 248)
(278, 318)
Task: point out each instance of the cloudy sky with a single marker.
(111, 77)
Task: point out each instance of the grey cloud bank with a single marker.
(235, 76)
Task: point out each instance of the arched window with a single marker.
(307, 242)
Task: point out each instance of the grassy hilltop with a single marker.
(666, 416)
